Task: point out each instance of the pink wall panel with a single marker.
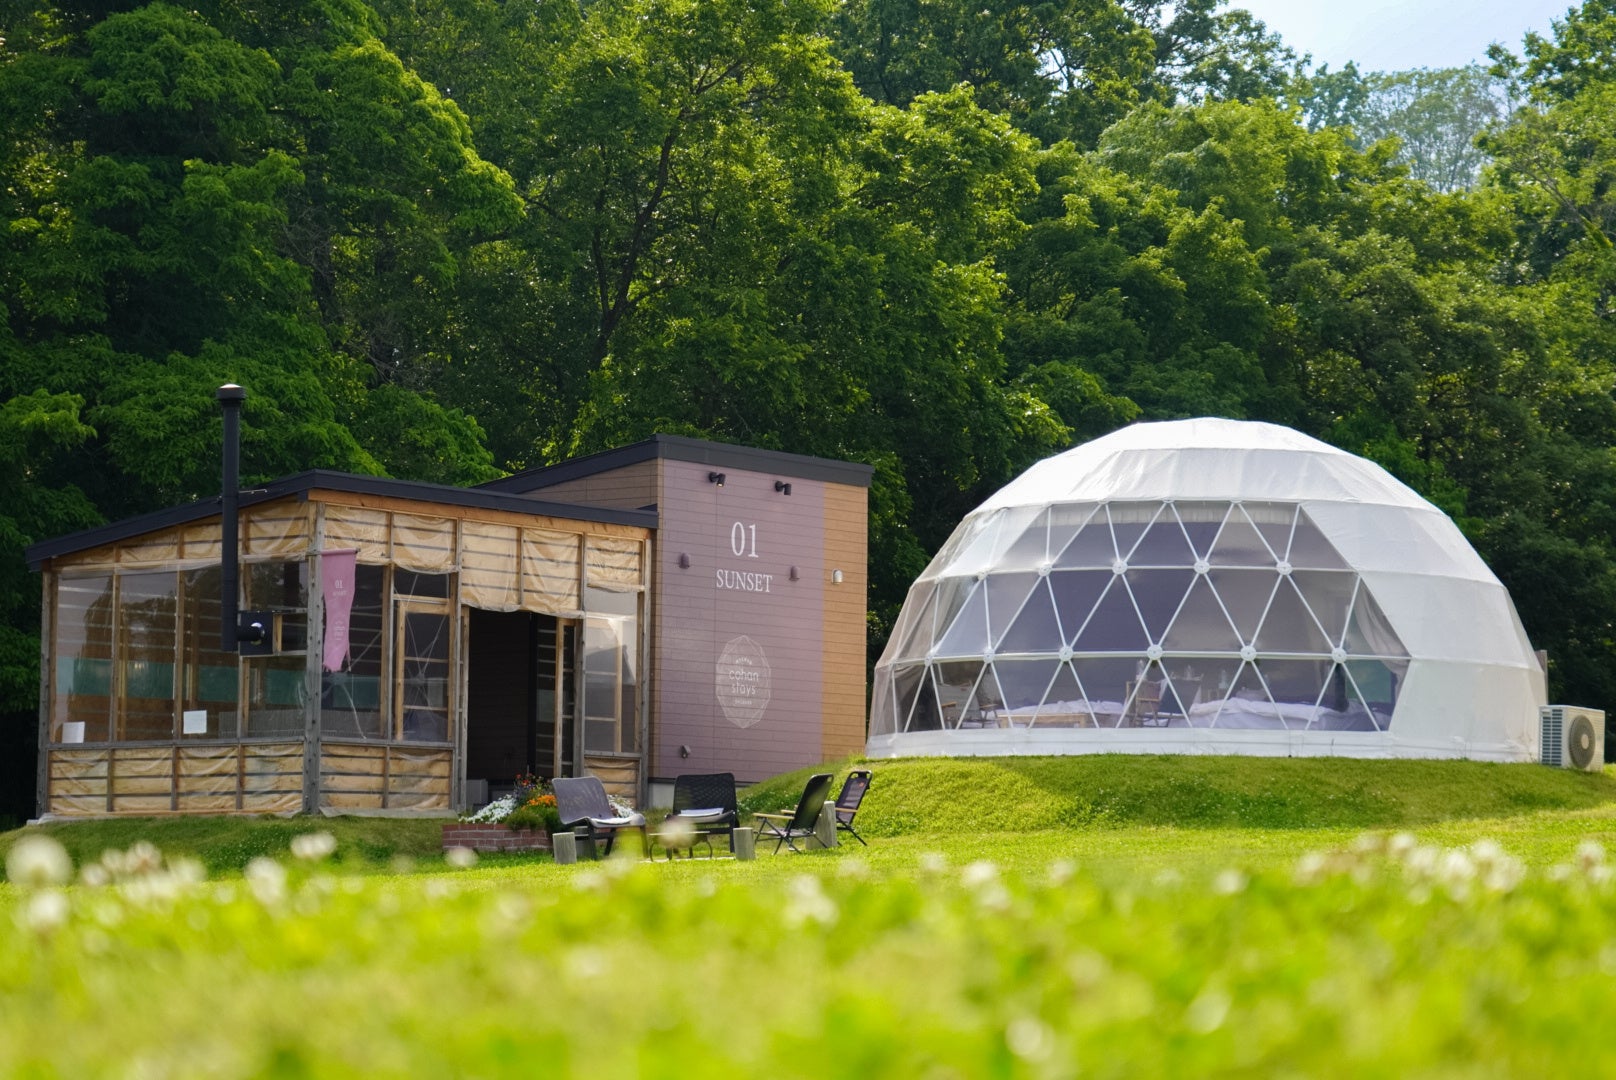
(736, 607)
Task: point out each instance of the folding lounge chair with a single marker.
(581, 803)
(789, 828)
(847, 803)
(706, 801)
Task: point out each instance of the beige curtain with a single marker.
(549, 571)
(613, 563)
(424, 544)
(490, 566)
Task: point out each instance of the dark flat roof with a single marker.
(322, 480)
(682, 448)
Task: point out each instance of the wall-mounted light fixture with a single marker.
(782, 487)
(684, 751)
(836, 577)
(716, 478)
(684, 561)
(793, 573)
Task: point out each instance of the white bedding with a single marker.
(1236, 713)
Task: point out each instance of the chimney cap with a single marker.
(230, 392)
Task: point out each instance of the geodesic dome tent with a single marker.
(1211, 586)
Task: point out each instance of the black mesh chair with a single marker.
(705, 802)
(847, 803)
(789, 828)
(582, 805)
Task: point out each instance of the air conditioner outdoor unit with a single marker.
(1573, 737)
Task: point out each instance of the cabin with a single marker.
(672, 606)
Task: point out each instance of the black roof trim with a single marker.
(322, 480)
(683, 448)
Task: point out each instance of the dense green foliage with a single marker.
(1469, 947)
(445, 238)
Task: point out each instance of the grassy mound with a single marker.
(927, 795)
(921, 796)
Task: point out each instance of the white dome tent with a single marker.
(1207, 586)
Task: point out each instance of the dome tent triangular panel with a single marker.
(1210, 586)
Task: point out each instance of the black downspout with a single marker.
(230, 398)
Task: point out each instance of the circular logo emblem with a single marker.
(743, 681)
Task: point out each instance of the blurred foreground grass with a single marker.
(1470, 946)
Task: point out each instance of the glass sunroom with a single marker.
(478, 635)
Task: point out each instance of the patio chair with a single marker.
(582, 804)
(789, 828)
(706, 802)
(847, 803)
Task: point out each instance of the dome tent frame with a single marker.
(1207, 586)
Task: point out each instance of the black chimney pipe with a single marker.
(230, 398)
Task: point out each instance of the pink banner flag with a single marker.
(337, 587)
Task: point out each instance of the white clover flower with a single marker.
(586, 963)
(1400, 844)
(1311, 868)
(1368, 843)
(312, 847)
(143, 858)
(932, 862)
(1457, 870)
(186, 870)
(676, 832)
(460, 858)
(1487, 851)
(1029, 1038)
(46, 910)
(38, 861)
(1208, 1011)
(806, 902)
(266, 879)
(114, 862)
(853, 869)
(1229, 882)
(1502, 875)
(94, 876)
(1590, 853)
(979, 873)
(1061, 871)
(1422, 860)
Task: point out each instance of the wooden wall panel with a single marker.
(418, 779)
(352, 777)
(142, 805)
(845, 629)
(629, 488)
(272, 778)
(78, 782)
(619, 776)
(376, 777)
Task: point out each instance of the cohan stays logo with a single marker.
(743, 681)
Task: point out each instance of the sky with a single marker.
(1394, 35)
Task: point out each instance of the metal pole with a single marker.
(230, 398)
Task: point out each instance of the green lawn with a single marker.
(1154, 917)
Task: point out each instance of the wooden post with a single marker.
(566, 847)
(825, 827)
(745, 841)
(313, 667)
(47, 640)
